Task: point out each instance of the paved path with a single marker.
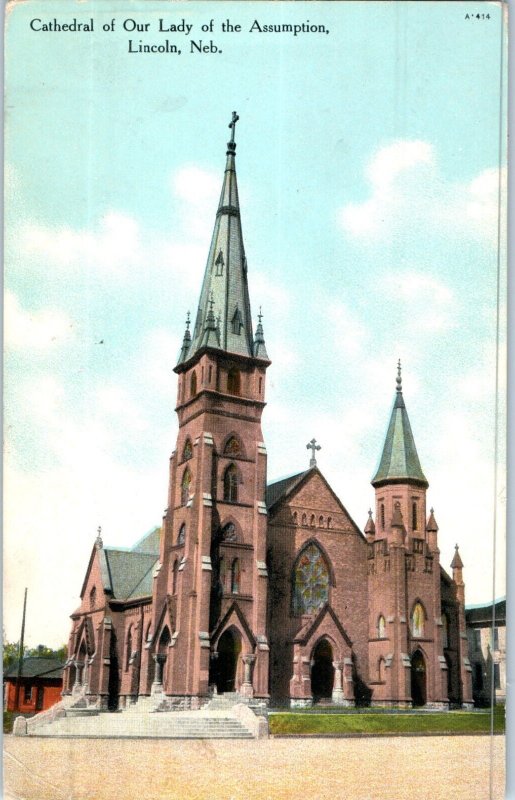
(428, 768)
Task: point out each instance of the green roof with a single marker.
(399, 460)
(130, 573)
(223, 319)
(149, 543)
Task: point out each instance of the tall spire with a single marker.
(225, 287)
(399, 459)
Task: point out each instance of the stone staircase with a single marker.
(163, 725)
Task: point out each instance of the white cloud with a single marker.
(408, 193)
(115, 245)
(34, 330)
(425, 301)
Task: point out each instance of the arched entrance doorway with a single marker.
(322, 671)
(418, 679)
(226, 664)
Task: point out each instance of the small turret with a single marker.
(457, 575)
(186, 342)
(370, 528)
(259, 339)
(211, 336)
(432, 531)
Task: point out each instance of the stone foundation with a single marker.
(300, 702)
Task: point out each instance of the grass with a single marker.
(9, 717)
(301, 724)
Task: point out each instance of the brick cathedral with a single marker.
(271, 592)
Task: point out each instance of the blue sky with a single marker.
(368, 167)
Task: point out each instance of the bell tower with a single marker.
(406, 646)
(210, 594)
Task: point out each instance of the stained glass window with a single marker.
(188, 450)
(185, 487)
(235, 576)
(311, 581)
(182, 534)
(232, 447)
(231, 484)
(417, 620)
(229, 532)
(381, 627)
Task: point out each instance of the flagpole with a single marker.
(20, 656)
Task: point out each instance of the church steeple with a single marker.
(224, 295)
(399, 460)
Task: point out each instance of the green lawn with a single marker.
(298, 723)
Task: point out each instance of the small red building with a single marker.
(41, 683)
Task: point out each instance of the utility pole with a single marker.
(20, 656)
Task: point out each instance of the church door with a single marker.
(229, 649)
(418, 679)
(322, 672)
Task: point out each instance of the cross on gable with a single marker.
(313, 446)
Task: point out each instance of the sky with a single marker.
(370, 177)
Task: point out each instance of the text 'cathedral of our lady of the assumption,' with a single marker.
(272, 592)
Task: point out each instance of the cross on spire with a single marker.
(232, 125)
(313, 446)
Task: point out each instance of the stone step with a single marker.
(177, 725)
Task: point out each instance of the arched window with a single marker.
(295, 518)
(414, 520)
(187, 452)
(129, 649)
(312, 521)
(232, 447)
(381, 627)
(185, 487)
(193, 384)
(380, 669)
(229, 532)
(382, 515)
(304, 519)
(175, 574)
(237, 321)
(148, 635)
(235, 576)
(233, 381)
(417, 620)
(210, 374)
(445, 631)
(310, 581)
(92, 597)
(181, 536)
(329, 521)
(219, 264)
(231, 484)
(321, 522)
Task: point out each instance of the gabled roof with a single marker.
(130, 573)
(149, 543)
(278, 489)
(37, 667)
(399, 459)
(285, 487)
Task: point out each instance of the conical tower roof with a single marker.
(399, 460)
(224, 294)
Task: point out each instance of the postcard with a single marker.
(255, 379)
